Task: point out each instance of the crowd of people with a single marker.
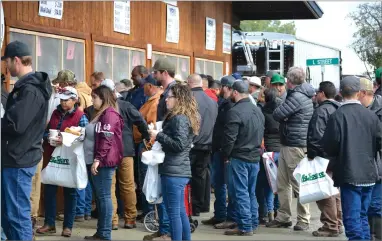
(213, 135)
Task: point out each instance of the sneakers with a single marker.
(114, 227)
(157, 236)
(271, 216)
(226, 225)
(79, 219)
(211, 221)
(321, 232)
(301, 226)
(130, 224)
(94, 237)
(163, 237)
(88, 217)
(238, 232)
(46, 229)
(277, 224)
(66, 232)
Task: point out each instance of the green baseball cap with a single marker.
(163, 64)
(378, 72)
(65, 76)
(277, 79)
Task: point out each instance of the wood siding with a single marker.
(93, 21)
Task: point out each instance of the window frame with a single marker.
(209, 60)
(47, 35)
(173, 55)
(112, 46)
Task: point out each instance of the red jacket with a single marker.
(108, 138)
(212, 94)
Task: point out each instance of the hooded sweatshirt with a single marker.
(23, 124)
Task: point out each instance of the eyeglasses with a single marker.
(170, 96)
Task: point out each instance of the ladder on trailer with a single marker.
(276, 46)
(247, 52)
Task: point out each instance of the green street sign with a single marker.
(328, 61)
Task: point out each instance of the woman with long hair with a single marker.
(181, 124)
(108, 125)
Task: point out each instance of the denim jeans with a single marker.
(173, 198)
(142, 169)
(102, 185)
(164, 221)
(244, 175)
(84, 201)
(355, 203)
(232, 213)
(16, 187)
(70, 201)
(375, 208)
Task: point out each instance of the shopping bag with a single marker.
(314, 182)
(270, 170)
(67, 167)
(152, 185)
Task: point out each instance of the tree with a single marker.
(368, 37)
(268, 26)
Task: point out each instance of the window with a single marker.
(182, 63)
(209, 67)
(117, 62)
(52, 53)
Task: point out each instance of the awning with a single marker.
(278, 10)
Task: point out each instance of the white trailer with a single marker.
(279, 52)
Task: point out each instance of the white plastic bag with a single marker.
(152, 185)
(314, 182)
(270, 170)
(67, 167)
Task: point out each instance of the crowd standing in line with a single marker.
(214, 134)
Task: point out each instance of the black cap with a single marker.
(150, 80)
(227, 80)
(240, 86)
(350, 83)
(16, 49)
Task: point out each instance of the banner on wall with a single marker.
(172, 31)
(210, 33)
(227, 34)
(51, 9)
(122, 17)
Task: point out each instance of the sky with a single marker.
(336, 30)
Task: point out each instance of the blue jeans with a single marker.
(375, 209)
(70, 201)
(84, 201)
(355, 203)
(244, 175)
(16, 187)
(231, 207)
(173, 198)
(102, 185)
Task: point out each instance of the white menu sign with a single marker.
(122, 16)
(210, 33)
(227, 38)
(172, 2)
(51, 9)
(172, 32)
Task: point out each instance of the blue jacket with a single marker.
(137, 97)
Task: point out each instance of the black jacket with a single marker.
(317, 126)
(162, 108)
(208, 111)
(376, 107)
(4, 96)
(271, 128)
(176, 139)
(131, 116)
(217, 135)
(23, 125)
(294, 115)
(351, 137)
(125, 95)
(378, 91)
(243, 132)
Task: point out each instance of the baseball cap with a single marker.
(236, 75)
(240, 86)
(378, 72)
(366, 84)
(163, 64)
(64, 76)
(108, 83)
(351, 83)
(67, 93)
(270, 73)
(16, 49)
(254, 80)
(150, 80)
(227, 80)
(277, 79)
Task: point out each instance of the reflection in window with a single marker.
(120, 64)
(102, 60)
(136, 58)
(208, 67)
(29, 40)
(74, 60)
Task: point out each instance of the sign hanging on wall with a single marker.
(227, 38)
(172, 31)
(51, 9)
(171, 2)
(2, 26)
(122, 17)
(210, 33)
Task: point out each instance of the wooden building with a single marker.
(84, 39)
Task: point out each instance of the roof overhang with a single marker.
(275, 10)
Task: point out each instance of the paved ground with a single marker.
(202, 232)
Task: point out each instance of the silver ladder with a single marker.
(247, 52)
(268, 59)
